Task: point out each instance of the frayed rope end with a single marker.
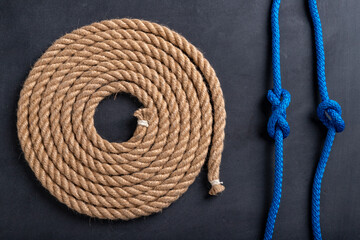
(216, 187)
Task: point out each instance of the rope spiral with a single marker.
(182, 121)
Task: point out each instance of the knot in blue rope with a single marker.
(277, 119)
(329, 113)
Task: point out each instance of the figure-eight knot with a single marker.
(277, 119)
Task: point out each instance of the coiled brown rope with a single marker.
(183, 114)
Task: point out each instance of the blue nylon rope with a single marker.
(329, 113)
(278, 128)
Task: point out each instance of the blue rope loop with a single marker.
(333, 117)
(277, 119)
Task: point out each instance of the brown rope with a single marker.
(183, 108)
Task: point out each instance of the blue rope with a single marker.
(278, 128)
(329, 113)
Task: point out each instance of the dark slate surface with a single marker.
(235, 37)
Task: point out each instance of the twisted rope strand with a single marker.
(183, 118)
(278, 128)
(329, 113)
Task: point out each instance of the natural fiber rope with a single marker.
(183, 107)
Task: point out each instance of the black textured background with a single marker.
(234, 35)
